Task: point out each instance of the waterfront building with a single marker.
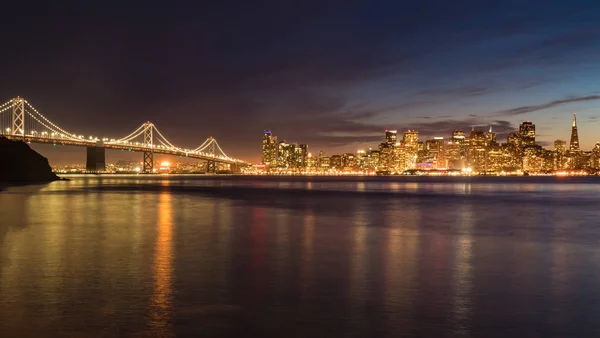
(435, 151)
(476, 151)
(269, 149)
(595, 158)
(385, 156)
(560, 152)
(453, 156)
(490, 137)
(349, 161)
(301, 156)
(411, 146)
(391, 136)
(335, 162)
(574, 144)
(286, 155)
(527, 134)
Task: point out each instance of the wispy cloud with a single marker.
(528, 109)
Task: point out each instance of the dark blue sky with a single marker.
(333, 74)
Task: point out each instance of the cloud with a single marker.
(556, 103)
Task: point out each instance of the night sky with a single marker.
(333, 74)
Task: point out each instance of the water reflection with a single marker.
(163, 258)
(161, 303)
(463, 271)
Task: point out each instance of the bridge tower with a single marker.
(211, 166)
(148, 155)
(18, 116)
(96, 158)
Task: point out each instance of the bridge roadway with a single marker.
(120, 146)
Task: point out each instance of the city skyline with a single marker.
(70, 155)
(475, 151)
(341, 73)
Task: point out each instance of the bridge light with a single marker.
(8, 130)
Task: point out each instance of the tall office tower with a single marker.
(336, 162)
(301, 155)
(490, 137)
(452, 155)
(459, 136)
(386, 153)
(560, 147)
(349, 161)
(399, 157)
(286, 155)
(514, 140)
(527, 133)
(476, 151)
(372, 159)
(391, 136)
(595, 158)
(269, 149)
(411, 147)
(574, 145)
(560, 150)
(323, 162)
(435, 150)
(360, 158)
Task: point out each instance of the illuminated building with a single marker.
(385, 156)
(514, 140)
(574, 144)
(496, 159)
(560, 151)
(361, 157)
(527, 133)
(336, 162)
(286, 155)
(372, 160)
(324, 162)
(532, 160)
(301, 156)
(311, 162)
(399, 157)
(490, 137)
(349, 161)
(476, 151)
(391, 136)
(435, 150)
(460, 137)
(269, 149)
(411, 146)
(595, 158)
(453, 155)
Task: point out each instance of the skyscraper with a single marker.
(527, 133)
(476, 150)
(269, 149)
(491, 137)
(391, 136)
(411, 144)
(574, 145)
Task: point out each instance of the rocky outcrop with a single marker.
(21, 164)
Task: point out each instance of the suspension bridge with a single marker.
(19, 120)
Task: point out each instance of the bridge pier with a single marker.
(234, 168)
(211, 167)
(148, 162)
(96, 158)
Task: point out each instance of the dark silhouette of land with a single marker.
(20, 164)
